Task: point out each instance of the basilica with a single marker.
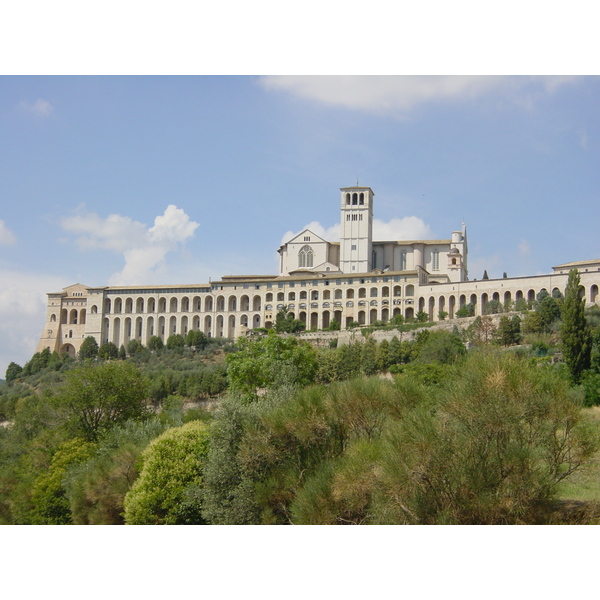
(354, 280)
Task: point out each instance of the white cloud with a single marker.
(524, 249)
(583, 138)
(7, 237)
(407, 228)
(22, 313)
(399, 94)
(144, 249)
(39, 108)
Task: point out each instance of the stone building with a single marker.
(356, 279)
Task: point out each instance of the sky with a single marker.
(181, 179)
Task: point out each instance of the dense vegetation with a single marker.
(484, 423)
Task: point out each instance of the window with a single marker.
(435, 260)
(305, 257)
(307, 238)
(353, 246)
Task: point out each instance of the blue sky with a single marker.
(177, 179)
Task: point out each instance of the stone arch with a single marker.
(82, 316)
(69, 350)
(184, 325)
(231, 326)
(484, 301)
(397, 291)
(431, 308)
(349, 294)
(126, 330)
(245, 303)
(129, 305)
(507, 298)
(593, 293)
(150, 328)
(362, 292)
(361, 317)
(185, 304)
(269, 296)
(256, 321)
(451, 306)
(139, 305)
(139, 328)
(219, 329)
(256, 302)
(52, 318)
(441, 305)
(244, 320)
(326, 319)
(519, 295)
(162, 305)
(117, 332)
(373, 292)
(220, 306)
(172, 326)
(207, 325)
(385, 314)
(197, 304)
(173, 305)
(327, 295)
(280, 297)
(409, 290)
(151, 305)
(94, 309)
(385, 291)
(314, 320)
(73, 317)
(161, 328)
(196, 323)
(410, 313)
(372, 316)
(118, 306)
(208, 304)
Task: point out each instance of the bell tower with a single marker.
(356, 239)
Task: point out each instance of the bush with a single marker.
(167, 490)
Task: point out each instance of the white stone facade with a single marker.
(316, 283)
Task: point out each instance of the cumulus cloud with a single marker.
(144, 248)
(7, 237)
(407, 228)
(39, 108)
(399, 94)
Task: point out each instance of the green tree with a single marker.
(175, 341)
(98, 397)
(96, 487)
(466, 311)
(383, 355)
(369, 357)
(89, 348)
(196, 339)
(440, 347)
(422, 317)
(133, 347)
(13, 371)
(269, 362)
(108, 351)
(51, 506)
(155, 343)
(509, 330)
(285, 323)
(576, 338)
(167, 492)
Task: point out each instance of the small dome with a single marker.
(454, 251)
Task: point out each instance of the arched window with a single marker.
(305, 257)
(355, 198)
(347, 198)
(361, 198)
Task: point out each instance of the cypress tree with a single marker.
(576, 338)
